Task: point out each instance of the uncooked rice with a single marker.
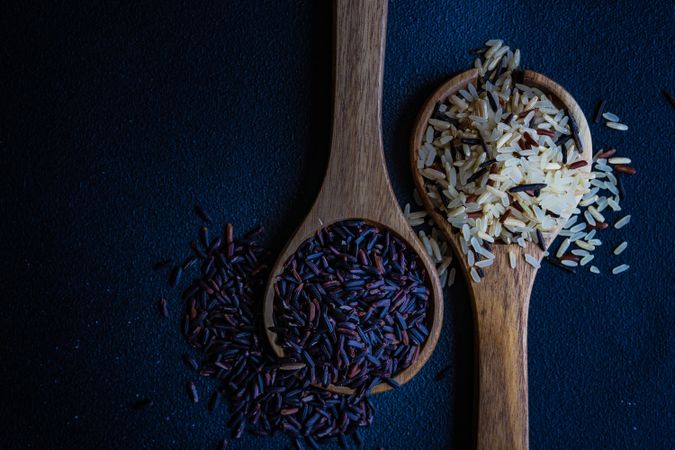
(617, 126)
(620, 248)
(470, 163)
(619, 269)
(501, 157)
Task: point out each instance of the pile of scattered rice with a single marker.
(501, 163)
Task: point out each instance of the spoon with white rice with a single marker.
(501, 158)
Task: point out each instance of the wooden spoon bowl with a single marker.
(356, 185)
(501, 299)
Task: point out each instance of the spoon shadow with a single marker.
(458, 319)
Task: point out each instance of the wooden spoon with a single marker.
(356, 183)
(501, 299)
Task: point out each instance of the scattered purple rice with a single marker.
(174, 276)
(669, 97)
(442, 373)
(599, 109)
(141, 404)
(352, 303)
(189, 262)
(204, 236)
(190, 362)
(192, 390)
(214, 400)
(265, 395)
(163, 308)
(556, 262)
(203, 214)
(222, 444)
(161, 264)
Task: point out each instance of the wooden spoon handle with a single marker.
(501, 322)
(356, 164)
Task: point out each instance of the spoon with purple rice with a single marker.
(353, 298)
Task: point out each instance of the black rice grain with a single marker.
(174, 276)
(477, 175)
(619, 186)
(190, 362)
(442, 373)
(599, 109)
(163, 309)
(528, 187)
(669, 97)
(560, 265)
(214, 400)
(203, 214)
(574, 128)
(222, 444)
(161, 264)
(141, 404)
(540, 240)
(192, 390)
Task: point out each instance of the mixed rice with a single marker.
(502, 163)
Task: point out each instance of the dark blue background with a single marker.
(117, 118)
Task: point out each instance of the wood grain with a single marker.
(501, 300)
(356, 183)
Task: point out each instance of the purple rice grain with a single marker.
(557, 263)
(161, 264)
(174, 276)
(442, 373)
(528, 187)
(190, 362)
(204, 236)
(669, 97)
(599, 109)
(141, 404)
(619, 186)
(222, 444)
(574, 128)
(192, 390)
(477, 175)
(163, 308)
(214, 400)
(189, 262)
(203, 214)
(540, 240)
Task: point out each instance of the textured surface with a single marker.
(117, 119)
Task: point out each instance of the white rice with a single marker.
(617, 126)
(622, 222)
(563, 248)
(451, 277)
(586, 259)
(531, 260)
(620, 248)
(622, 268)
(512, 259)
(594, 269)
(619, 160)
(611, 117)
